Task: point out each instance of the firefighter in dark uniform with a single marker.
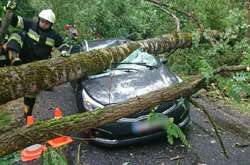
(34, 42)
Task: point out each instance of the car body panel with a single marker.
(138, 74)
(114, 88)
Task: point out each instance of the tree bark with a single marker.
(18, 81)
(44, 130)
(13, 110)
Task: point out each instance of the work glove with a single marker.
(65, 50)
(16, 61)
(65, 53)
(11, 5)
(14, 58)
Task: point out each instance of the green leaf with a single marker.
(173, 131)
(205, 69)
(245, 87)
(235, 91)
(10, 159)
(53, 157)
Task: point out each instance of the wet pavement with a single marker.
(204, 146)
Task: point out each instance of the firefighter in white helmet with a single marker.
(34, 42)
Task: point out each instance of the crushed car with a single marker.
(136, 75)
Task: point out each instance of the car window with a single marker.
(138, 60)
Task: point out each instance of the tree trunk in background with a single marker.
(41, 131)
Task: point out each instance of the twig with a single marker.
(78, 154)
(190, 15)
(177, 157)
(194, 18)
(196, 104)
(172, 52)
(177, 20)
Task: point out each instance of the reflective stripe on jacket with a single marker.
(37, 43)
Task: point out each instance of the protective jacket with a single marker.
(33, 43)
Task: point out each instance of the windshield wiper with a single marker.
(138, 63)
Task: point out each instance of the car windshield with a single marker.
(138, 60)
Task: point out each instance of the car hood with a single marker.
(117, 87)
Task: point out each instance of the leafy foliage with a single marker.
(13, 158)
(235, 87)
(138, 19)
(53, 156)
(205, 69)
(49, 157)
(172, 130)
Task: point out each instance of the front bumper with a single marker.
(147, 137)
(136, 129)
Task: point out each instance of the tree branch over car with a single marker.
(44, 130)
(18, 81)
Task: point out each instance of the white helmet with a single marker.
(48, 15)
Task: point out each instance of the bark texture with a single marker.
(42, 131)
(18, 81)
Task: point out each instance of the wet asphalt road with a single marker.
(205, 149)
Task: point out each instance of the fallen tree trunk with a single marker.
(11, 116)
(16, 82)
(42, 131)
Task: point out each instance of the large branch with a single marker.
(16, 82)
(224, 69)
(42, 131)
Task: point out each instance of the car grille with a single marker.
(164, 106)
(160, 108)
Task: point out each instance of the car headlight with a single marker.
(89, 103)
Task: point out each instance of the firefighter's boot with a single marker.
(14, 58)
(27, 111)
(29, 102)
